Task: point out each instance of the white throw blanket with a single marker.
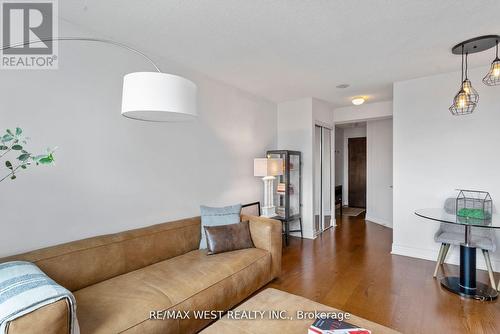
(25, 288)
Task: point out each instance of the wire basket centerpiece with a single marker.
(474, 204)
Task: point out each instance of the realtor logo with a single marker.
(33, 21)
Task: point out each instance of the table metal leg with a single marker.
(468, 267)
(466, 285)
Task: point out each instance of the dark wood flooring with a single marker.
(350, 268)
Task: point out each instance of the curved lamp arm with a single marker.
(147, 96)
(87, 39)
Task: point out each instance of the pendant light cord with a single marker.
(466, 65)
(462, 63)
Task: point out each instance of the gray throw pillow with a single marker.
(211, 216)
(226, 238)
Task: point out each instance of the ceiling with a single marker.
(288, 49)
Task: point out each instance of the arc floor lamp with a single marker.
(147, 96)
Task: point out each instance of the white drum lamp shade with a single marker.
(158, 97)
(268, 169)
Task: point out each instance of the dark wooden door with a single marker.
(357, 172)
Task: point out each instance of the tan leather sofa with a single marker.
(119, 279)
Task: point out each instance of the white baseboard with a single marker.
(307, 234)
(375, 220)
(452, 258)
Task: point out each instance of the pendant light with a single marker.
(462, 102)
(467, 98)
(467, 85)
(493, 76)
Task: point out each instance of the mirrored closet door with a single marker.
(323, 210)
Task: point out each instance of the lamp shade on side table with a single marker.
(268, 169)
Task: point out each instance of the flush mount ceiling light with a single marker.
(467, 98)
(358, 101)
(342, 86)
(147, 96)
(493, 76)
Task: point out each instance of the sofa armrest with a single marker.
(50, 319)
(266, 234)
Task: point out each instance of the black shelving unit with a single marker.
(288, 190)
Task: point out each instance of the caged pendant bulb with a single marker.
(466, 99)
(472, 94)
(461, 101)
(493, 76)
(462, 105)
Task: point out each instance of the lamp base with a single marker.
(268, 211)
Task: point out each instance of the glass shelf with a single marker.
(288, 199)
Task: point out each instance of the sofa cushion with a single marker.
(125, 301)
(226, 238)
(218, 216)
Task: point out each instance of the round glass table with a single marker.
(465, 285)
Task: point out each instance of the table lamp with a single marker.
(268, 168)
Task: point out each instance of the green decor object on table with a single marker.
(472, 213)
(474, 204)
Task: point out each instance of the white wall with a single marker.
(353, 132)
(435, 153)
(113, 173)
(295, 132)
(296, 121)
(379, 172)
(364, 112)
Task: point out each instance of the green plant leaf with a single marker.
(9, 132)
(47, 160)
(17, 147)
(24, 166)
(7, 138)
(8, 164)
(24, 157)
(18, 131)
(13, 177)
(3, 147)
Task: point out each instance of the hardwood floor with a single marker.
(350, 268)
